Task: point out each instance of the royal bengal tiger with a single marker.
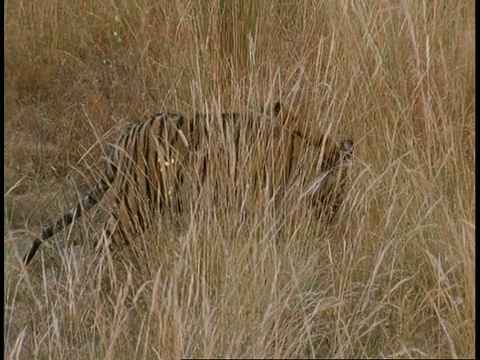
(152, 158)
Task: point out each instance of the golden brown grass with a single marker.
(393, 278)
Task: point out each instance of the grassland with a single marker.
(393, 277)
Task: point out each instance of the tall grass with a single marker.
(393, 277)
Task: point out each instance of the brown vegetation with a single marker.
(394, 277)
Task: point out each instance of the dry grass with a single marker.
(395, 276)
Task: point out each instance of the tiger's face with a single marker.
(318, 159)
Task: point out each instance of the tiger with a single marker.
(152, 158)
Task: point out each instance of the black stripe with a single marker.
(134, 165)
(147, 167)
(180, 121)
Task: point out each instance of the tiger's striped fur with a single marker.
(151, 158)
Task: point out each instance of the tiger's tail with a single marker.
(92, 198)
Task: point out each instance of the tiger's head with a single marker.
(326, 186)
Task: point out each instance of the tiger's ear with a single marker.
(347, 147)
(272, 109)
(277, 108)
